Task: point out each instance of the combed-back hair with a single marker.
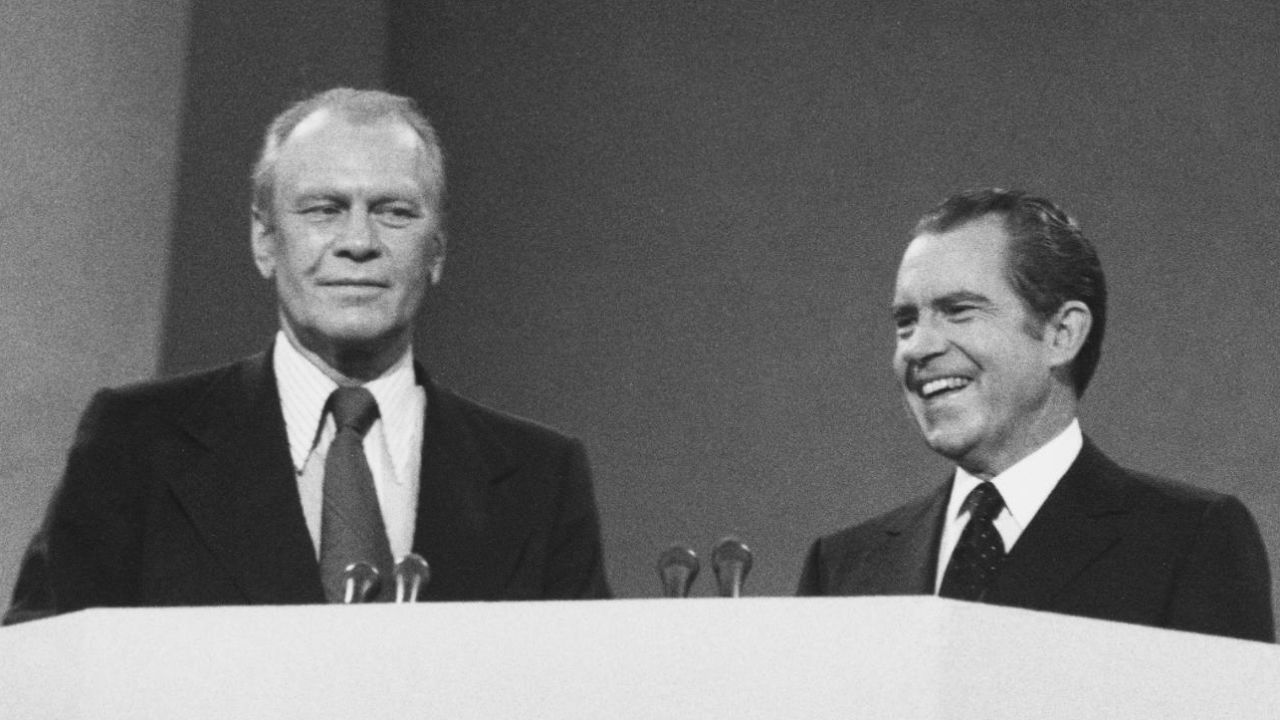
(1050, 261)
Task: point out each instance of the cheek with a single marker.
(301, 245)
(290, 269)
(897, 361)
(411, 269)
(415, 291)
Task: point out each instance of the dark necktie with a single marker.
(980, 550)
(351, 528)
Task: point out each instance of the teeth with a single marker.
(948, 383)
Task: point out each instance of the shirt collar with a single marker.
(1027, 483)
(396, 391)
(304, 390)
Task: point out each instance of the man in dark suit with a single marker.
(1000, 305)
(237, 485)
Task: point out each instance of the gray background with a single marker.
(675, 225)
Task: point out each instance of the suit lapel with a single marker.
(904, 564)
(471, 538)
(242, 494)
(1078, 522)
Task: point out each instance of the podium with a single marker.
(884, 657)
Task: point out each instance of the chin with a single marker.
(951, 443)
(358, 322)
(358, 335)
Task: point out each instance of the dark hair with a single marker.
(1049, 262)
(358, 106)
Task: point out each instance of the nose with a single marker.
(358, 239)
(923, 341)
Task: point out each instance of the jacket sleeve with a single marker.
(1224, 585)
(86, 552)
(575, 558)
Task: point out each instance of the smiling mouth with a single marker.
(940, 386)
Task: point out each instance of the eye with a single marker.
(318, 212)
(397, 214)
(960, 311)
(903, 321)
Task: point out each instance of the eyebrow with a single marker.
(372, 200)
(960, 296)
(904, 310)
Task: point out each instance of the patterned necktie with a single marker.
(980, 551)
(351, 527)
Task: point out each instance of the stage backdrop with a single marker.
(674, 228)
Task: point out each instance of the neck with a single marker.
(996, 455)
(349, 364)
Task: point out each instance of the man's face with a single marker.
(352, 239)
(975, 377)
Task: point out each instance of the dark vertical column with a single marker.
(247, 61)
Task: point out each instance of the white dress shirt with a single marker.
(393, 445)
(1024, 487)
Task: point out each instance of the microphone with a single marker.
(411, 575)
(360, 583)
(678, 568)
(731, 560)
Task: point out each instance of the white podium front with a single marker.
(893, 657)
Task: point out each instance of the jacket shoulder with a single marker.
(1146, 493)
(1175, 493)
(1103, 476)
(124, 408)
(177, 390)
(511, 430)
(902, 537)
(873, 530)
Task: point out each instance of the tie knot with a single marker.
(984, 501)
(353, 407)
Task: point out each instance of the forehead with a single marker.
(968, 258)
(331, 151)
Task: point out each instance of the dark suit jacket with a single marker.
(1107, 543)
(182, 492)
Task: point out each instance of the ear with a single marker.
(264, 244)
(1066, 332)
(435, 257)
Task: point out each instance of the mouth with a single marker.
(354, 283)
(939, 386)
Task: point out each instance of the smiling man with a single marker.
(263, 481)
(1000, 305)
